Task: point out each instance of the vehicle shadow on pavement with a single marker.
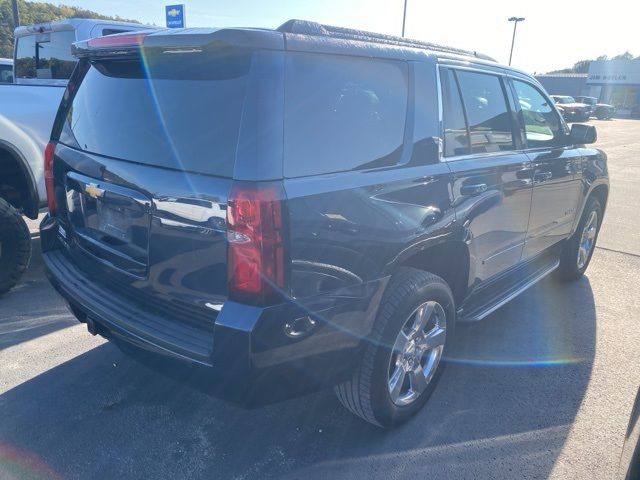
(32, 308)
(503, 409)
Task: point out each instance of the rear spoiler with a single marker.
(176, 40)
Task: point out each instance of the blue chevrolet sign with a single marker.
(175, 16)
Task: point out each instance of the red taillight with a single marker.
(254, 233)
(48, 177)
(117, 40)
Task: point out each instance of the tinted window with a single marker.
(6, 73)
(542, 124)
(456, 137)
(45, 55)
(342, 113)
(113, 31)
(487, 113)
(176, 111)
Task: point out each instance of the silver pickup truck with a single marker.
(42, 64)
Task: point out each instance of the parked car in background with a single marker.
(601, 111)
(6, 70)
(332, 239)
(42, 66)
(572, 110)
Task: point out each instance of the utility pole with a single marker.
(515, 21)
(16, 13)
(404, 17)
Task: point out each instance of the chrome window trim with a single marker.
(441, 157)
(472, 156)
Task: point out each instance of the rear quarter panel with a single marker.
(593, 173)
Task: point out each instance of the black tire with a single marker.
(569, 269)
(367, 393)
(15, 246)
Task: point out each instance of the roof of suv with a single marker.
(305, 27)
(311, 34)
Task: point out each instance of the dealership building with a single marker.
(616, 82)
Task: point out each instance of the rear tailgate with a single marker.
(146, 150)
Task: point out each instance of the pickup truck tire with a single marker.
(15, 246)
(572, 265)
(411, 295)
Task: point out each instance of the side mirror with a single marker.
(583, 134)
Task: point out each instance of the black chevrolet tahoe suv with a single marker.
(276, 211)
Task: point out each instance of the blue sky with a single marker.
(552, 36)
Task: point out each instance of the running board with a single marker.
(479, 313)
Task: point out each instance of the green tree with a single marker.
(36, 12)
(579, 67)
(583, 65)
(624, 56)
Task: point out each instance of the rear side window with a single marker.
(487, 113)
(342, 113)
(45, 55)
(176, 111)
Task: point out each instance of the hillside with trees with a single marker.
(36, 12)
(583, 65)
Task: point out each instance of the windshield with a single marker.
(565, 100)
(45, 56)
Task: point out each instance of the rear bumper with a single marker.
(246, 355)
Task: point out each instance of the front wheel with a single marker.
(402, 361)
(578, 250)
(15, 246)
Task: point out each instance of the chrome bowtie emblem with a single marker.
(93, 190)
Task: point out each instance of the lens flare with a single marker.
(22, 465)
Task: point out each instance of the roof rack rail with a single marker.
(305, 27)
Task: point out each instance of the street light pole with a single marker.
(515, 21)
(16, 13)
(404, 17)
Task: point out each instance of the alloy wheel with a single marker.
(416, 353)
(588, 239)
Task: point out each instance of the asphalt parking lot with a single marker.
(542, 388)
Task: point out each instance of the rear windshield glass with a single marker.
(178, 111)
(45, 55)
(343, 113)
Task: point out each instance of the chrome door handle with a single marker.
(475, 189)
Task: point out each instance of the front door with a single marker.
(556, 183)
(492, 179)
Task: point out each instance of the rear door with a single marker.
(492, 177)
(556, 167)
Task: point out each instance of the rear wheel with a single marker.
(578, 250)
(402, 362)
(15, 246)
